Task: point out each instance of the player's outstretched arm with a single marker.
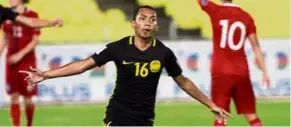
(36, 76)
(189, 87)
(260, 57)
(8, 14)
(38, 23)
(174, 70)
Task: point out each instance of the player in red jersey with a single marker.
(8, 14)
(21, 41)
(231, 26)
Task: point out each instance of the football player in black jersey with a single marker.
(139, 60)
(8, 14)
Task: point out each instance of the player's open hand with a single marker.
(34, 76)
(58, 22)
(266, 81)
(220, 113)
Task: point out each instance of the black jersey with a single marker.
(138, 74)
(6, 14)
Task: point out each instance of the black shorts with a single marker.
(118, 114)
(121, 119)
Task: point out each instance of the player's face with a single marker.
(14, 3)
(145, 23)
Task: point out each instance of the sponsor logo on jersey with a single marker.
(126, 62)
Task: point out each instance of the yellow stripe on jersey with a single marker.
(130, 40)
(111, 96)
(154, 42)
(108, 125)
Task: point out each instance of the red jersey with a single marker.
(231, 26)
(20, 35)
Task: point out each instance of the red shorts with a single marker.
(15, 82)
(239, 88)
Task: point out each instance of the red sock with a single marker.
(29, 111)
(216, 123)
(256, 122)
(15, 114)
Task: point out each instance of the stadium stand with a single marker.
(117, 26)
(105, 20)
(187, 15)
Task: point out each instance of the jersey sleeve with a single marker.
(209, 7)
(5, 26)
(104, 56)
(7, 13)
(251, 28)
(171, 64)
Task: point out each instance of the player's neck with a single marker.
(20, 9)
(142, 44)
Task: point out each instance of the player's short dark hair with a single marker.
(136, 11)
(25, 1)
(228, 0)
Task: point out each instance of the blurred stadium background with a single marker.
(89, 24)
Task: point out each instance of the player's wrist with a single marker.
(265, 73)
(56, 23)
(21, 55)
(45, 76)
(51, 24)
(211, 106)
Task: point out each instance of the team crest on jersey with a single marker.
(155, 66)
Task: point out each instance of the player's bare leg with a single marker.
(253, 119)
(29, 110)
(15, 109)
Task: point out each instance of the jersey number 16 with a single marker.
(228, 34)
(141, 70)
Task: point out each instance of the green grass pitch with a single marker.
(272, 113)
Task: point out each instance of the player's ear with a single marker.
(133, 23)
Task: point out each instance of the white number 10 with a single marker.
(229, 34)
